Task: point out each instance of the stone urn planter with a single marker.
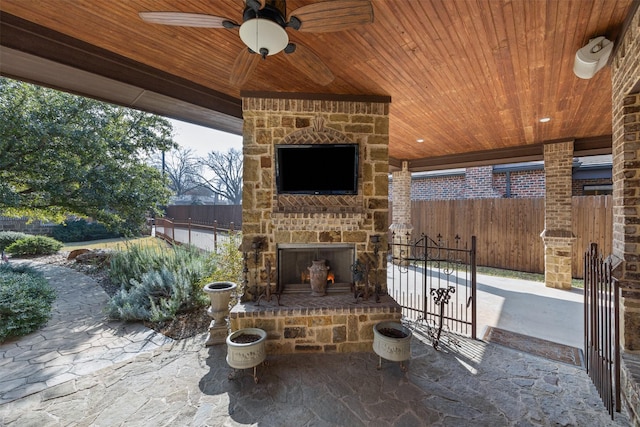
(318, 277)
(246, 349)
(220, 294)
(392, 341)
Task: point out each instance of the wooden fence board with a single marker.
(508, 230)
(224, 214)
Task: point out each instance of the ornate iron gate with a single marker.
(435, 283)
(602, 327)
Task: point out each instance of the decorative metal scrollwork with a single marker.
(441, 297)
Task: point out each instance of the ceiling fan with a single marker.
(263, 31)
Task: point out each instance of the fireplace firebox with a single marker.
(294, 261)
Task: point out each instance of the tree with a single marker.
(62, 155)
(227, 178)
(181, 169)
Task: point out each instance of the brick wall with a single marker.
(475, 183)
(438, 187)
(402, 198)
(524, 184)
(626, 178)
(626, 193)
(578, 184)
(557, 235)
(479, 183)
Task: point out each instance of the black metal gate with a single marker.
(435, 283)
(602, 327)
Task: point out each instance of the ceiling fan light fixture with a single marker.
(263, 35)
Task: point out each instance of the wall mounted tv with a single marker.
(317, 168)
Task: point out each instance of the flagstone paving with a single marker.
(151, 380)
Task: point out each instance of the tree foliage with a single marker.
(181, 169)
(62, 155)
(227, 174)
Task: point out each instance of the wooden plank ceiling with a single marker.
(463, 76)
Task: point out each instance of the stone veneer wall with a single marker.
(303, 323)
(274, 219)
(626, 203)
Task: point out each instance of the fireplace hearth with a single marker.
(294, 261)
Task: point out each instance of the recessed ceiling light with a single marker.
(420, 140)
(545, 119)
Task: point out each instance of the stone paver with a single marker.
(78, 339)
(184, 383)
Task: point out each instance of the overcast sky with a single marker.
(203, 140)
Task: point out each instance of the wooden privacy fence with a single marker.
(207, 214)
(508, 230)
(205, 236)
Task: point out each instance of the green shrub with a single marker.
(81, 231)
(227, 261)
(25, 300)
(137, 260)
(157, 284)
(9, 237)
(34, 245)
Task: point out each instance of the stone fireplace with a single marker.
(294, 261)
(283, 233)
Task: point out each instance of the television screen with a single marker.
(317, 169)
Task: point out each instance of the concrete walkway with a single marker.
(530, 308)
(183, 383)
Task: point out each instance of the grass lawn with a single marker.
(536, 277)
(116, 243)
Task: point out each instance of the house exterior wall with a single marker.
(437, 188)
(463, 185)
(626, 179)
(578, 184)
(626, 207)
(524, 184)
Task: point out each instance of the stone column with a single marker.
(557, 235)
(626, 216)
(401, 214)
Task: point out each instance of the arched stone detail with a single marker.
(317, 134)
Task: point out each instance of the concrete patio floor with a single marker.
(184, 383)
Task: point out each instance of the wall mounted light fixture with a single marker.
(591, 58)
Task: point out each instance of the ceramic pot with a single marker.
(243, 355)
(220, 295)
(392, 341)
(318, 277)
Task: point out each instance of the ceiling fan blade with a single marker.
(305, 60)
(335, 15)
(255, 4)
(186, 19)
(242, 68)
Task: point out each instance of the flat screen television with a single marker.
(317, 168)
